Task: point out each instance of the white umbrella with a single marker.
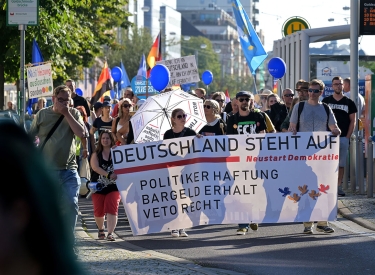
(153, 118)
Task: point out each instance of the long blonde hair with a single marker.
(120, 112)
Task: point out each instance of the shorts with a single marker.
(344, 146)
(106, 204)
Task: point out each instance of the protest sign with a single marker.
(39, 80)
(140, 86)
(264, 178)
(182, 70)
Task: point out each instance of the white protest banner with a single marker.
(264, 178)
(39, 80)
(183, 70)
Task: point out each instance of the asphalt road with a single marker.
(273, 249)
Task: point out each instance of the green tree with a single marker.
(135, 43)
(207, 59)
(70, 34)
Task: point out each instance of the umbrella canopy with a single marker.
(153, 118)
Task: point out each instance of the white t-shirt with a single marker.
(361, 102)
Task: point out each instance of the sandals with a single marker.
(110, 237)
(101, 235)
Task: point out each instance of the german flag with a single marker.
(155, 53)
(104, 84)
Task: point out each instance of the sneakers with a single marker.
(183, 233)
(325, 229)
(340, 193)
(308, 230)
(242, 231)
(175, 233)
(254, 226)
(179, 233)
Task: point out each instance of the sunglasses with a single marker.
(242, 99)
(315, 91)
(220, 100)
(289, 95)
(181, 116)
(207, 106)
(126, 105)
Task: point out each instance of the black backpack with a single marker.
(277, 114)
(300, 108)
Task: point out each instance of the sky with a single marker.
(273, 14)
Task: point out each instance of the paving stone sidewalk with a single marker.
(107, 258)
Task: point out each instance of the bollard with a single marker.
(345, 178)
(352, 148)
(370, 169)
(360, 166)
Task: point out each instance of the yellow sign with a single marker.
(294, 24)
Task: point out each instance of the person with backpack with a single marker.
(246, 121)
(345, 111)
(314, 116)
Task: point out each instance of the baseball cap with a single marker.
(243, 93)
(98, 105)
(106, 104)
(107, 98)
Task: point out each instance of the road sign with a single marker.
(367, 17)
(294, 24)
(22, 12)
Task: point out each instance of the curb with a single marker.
(89, 233)
(346, 213)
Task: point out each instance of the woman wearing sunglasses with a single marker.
(215, 125)
(120, 125)
(178, 130)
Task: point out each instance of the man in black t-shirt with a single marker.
(345, 112)
(244, 122)
(78, 100)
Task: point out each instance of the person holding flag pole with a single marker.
(255, 54)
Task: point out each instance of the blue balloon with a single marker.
(79, 92)
(116, 74)
(159, 77)
(277, 67)
(207, 77)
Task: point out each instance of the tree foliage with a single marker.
(134, 43)
(70, 34)
(207, 59)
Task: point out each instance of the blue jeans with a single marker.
(69, 184)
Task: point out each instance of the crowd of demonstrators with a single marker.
(178, 120)
(246, 121)
(234, 106)
(302, 87)
(361, 100)
(279, 110)
(120, 125)
(345, 111)
(36, 237)
(105, 201)
(201, 93)
(312, 117)
(215, 126)
(56, 127)
(219, 97)
(103, 122)
(77, 99)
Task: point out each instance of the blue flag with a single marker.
(36, 57)
(251, 46)
(36, 54)
(125, 82)
(142, 67)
